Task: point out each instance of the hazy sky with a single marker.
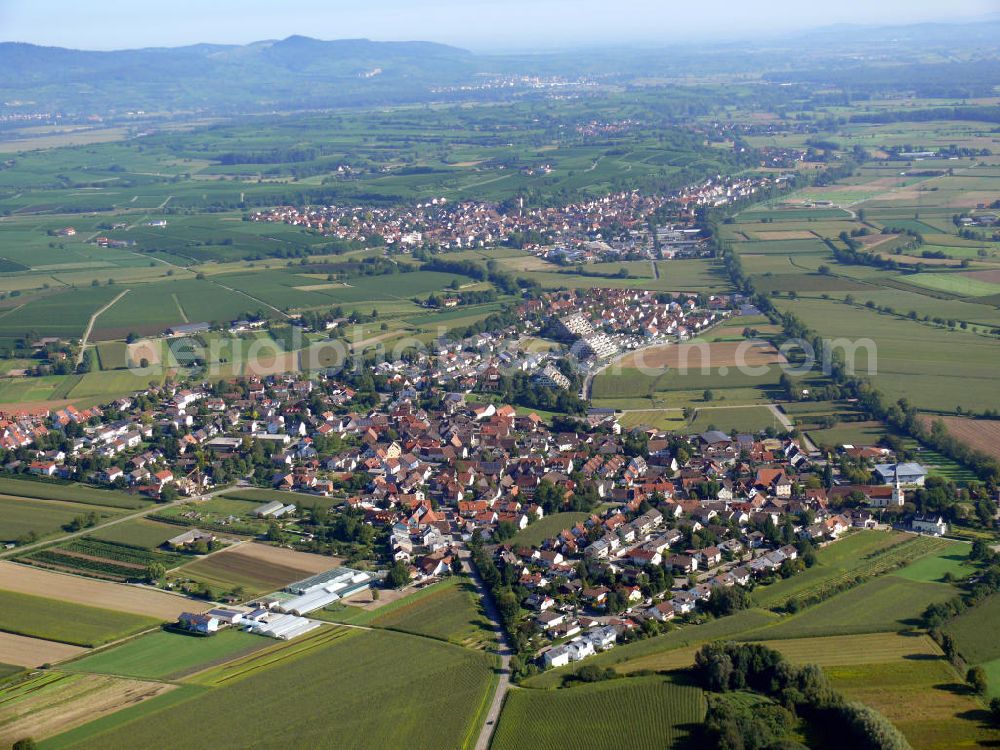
(476, 24)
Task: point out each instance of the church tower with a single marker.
(898, 497)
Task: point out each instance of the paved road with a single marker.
(505, 652)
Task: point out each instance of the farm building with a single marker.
(191, 536)
(321, 590)
(273, 509)
(226, 616)
(188, 329)
(284, 627)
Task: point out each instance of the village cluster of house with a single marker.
(442, 224)
(602, 322)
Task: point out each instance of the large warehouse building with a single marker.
(321, 590)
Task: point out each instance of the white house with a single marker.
(934, 525)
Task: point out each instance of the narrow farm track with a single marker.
(90, 326)
(505, 651)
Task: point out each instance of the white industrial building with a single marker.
(283, 627)
(321, 590)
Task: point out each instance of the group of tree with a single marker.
(792, 691)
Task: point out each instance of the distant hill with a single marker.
(958, 60)
(297, 71)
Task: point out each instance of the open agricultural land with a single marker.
(51, 703)
(255, 568)
(23, 579)
(260, 697)
(76, 624)
(450, 610)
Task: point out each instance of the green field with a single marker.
(883, 604)
(165, 655)
(975, 631)
(324, 696)
(140, 532)
(955, 283)
(651, 713)
(9, 670)
(545, 528)
(71, 493)
(849, 433)
(75, 624)
(113, 355)
(742, 419)
(951, 559)
(20, 516)
(834, 562)
(924, 698)
(450, 611)
(932, 367)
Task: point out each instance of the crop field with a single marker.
(113, 355)
(698, 355)
(22, 651)
(257, 568)
(924, 698)
(20, 516)
(980, 434)
(965, 285)
(974, 632)
(70, 493)
(26, 579)
(64, 314)
(883, 604)
(113, 561)
(618, 383)
(450, 611)
(743, 419)
(849, 433)
(168, 656)
(139, 532)
(52, 703)
(64, 622)
(835, 562)
(150, 309)
(825, 651)
(847, 650)
(327, 698)
(659, 709)
(934, 368)
(660, 419)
